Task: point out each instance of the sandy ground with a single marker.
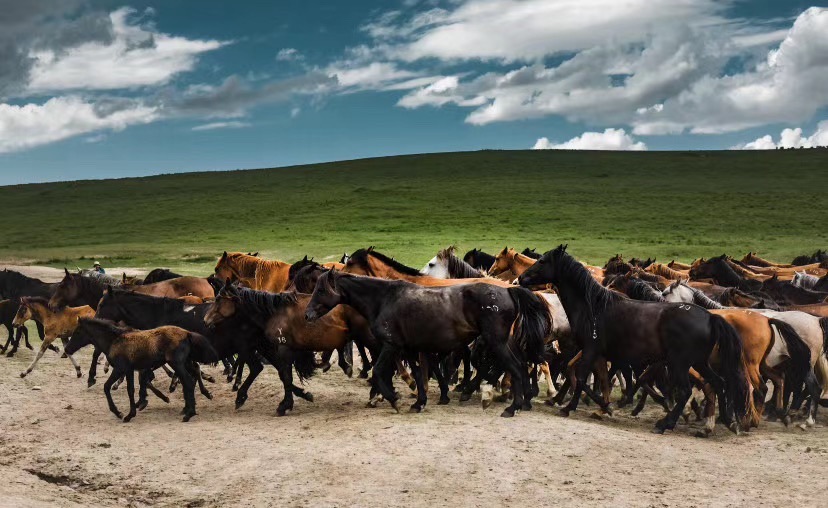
(60, 446)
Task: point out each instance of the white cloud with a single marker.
(610, 139)
(137, 56)
(221, 125)
(23, 127)
(529, 30)
(789, 138)
(289, 55)
(373, 75)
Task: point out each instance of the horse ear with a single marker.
(124, 278)
(66, 270)
(305, 258)
(505, 250)
(224, 256)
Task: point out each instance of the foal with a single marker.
(61, 323)
(129, 350)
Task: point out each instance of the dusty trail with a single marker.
(59, 446)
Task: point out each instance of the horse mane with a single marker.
(361, 257)
(263, 302)
(106, 325)
(458, 268)
(641, 290)
(102, 277)
(596, 297)
(701, 299)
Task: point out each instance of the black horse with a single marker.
(817, 257)
(723, 274)
(8, 309)
(785, 293)
(411, 319)
(531, 253)
(159, 275)
(15, 284)
(608, 325)
(479, 259)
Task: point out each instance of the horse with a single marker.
(817, 257)
(160, 275)
(76, 290)
(667, 272)
(721, 272)
(512, 261)
(254, 272)
(788, 294)
(409, 318)
(479, 259)
(446, 265)
(144, 312)
(638, 333)
(281, 319)
(56, 324)
(128, 350)
(372, 263)
(531, 253)
(8, 310)
(752, 259)
(812, 282)
(15, 284)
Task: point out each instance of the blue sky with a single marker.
(101, 89)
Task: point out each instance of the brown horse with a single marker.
(129, 350)
(754, 260)
(254, 272)
(815, 309)
(667, 272)
(677, 265)
(510, 260)
(281, 316)
(56, 324)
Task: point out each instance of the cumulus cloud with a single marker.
(136, 56)
(289, 55)
(789, 138)
(23, 127)
(610, 139)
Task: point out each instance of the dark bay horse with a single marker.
(129, 350)
(606, 324)
(160, 275)
(410, 319)
(479, 259)
(15, 284)
(281, 318)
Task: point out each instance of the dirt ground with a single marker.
(60, 446)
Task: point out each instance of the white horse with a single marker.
(446, 265)
(804, 280)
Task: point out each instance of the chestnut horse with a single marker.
(57, 324)
(254, 272)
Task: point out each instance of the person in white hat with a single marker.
(97, 267)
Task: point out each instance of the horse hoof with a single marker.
(90, 383)
(485, 403)
(596, 415)
(412, 385)
(395, 406)
(234, 388)
(208, 395)
(119, 416)
(142, 404)
(363, 374)
(281, 412)
(80, 375)
(415, 409)
(64, 355)
(657, 430)
(734, 428)
(443, 401)
(786, 420)
(128, 417)
(371, 404)
(22, 375)
(349, 372)
(187, 417)
(564, 412)
(507, 413)
(526, 406)
(308, 396)
(465, 396)
(326, 367)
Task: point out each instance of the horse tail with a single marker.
(533, 323)
(823, 323)
(305, 364)
(737, 390)
(800, 354)
(201, 349)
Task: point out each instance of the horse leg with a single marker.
(680, 381)
(195, 370)
(43, 346)
(713, 386)
(181, 368)
(383, 371)
(108, 392)
(627, 398)
(93, 367)
(813, 389)
(346, 358)
(239, 371)
(547, 374)
(419, 368)
(404, 375)
(366, 362)
(8, 338)
(72, 359)
(467, 370)
(255, 366)
(442, 382)
(285, 368)
(130, 379)
(25, 333)
(325, 364)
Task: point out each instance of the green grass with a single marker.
(666, 204)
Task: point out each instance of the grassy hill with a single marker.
(667, 204)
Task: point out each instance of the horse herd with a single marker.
(725, 327)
